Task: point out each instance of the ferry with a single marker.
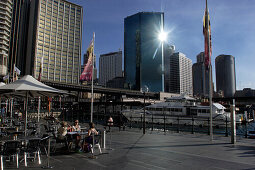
(184, 109)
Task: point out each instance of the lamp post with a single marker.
(144, 90)
(162, 37)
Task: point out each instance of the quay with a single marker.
(130, 149)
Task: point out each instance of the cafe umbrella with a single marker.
(28, 87)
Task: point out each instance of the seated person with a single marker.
(91, 130)
(62, 131)
(76, 127)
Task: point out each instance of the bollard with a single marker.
(164, 122)
(178, 126)
(141, 122)
(152, 125)
(208, 121)
(192, 125)
(246, 132)
(130, 122)
(103, 138)
(226, 133)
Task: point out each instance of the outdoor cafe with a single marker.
(29, 142)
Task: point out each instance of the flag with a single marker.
(87, 72)
(40, 71)
(207, 37)
(6, 78)
(17, 70)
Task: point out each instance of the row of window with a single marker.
(165, 109)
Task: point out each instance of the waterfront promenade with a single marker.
(156, 150)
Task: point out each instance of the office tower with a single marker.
(180, 74)
(6, 8)
(19, 33)
(55, 31)
(200, 77)
(168, 51)
(110, 67)
(225, 75)
(143, 52)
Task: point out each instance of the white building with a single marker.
(180, 74)
(5, 33)
(110, 66)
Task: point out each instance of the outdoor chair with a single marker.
(44, 143)
(10, 149)
(96, 143)
(33, 147)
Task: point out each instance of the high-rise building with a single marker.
(180, 74)
(110, 67)
(168, 51)
(143, 52)
(55, 36)
(6, 9)
(19, 33)
(200, 77)
(225, 75)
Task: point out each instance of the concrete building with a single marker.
(180, 74)
(6, 9)
(200, 77)
(225, 75)
(142, 55)
(110, 67)
(55, 36)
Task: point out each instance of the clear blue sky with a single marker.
(232, 26)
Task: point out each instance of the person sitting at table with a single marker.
(89, 138)
(62, 131)
(77, 128)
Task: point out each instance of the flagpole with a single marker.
(210, 71)
(92, 84)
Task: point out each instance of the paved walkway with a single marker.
(133, 150)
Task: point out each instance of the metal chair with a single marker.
(96, 142)
(10, 149)
(33, 147)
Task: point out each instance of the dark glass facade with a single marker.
(225, 75)
(142, 51)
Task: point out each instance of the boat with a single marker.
(184, 109)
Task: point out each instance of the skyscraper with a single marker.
(142, 51)
(168, 51)
(19, 33)
(200, 77)
(110, 67)
(225, 75)
(180, 74)
(6, 9)
(55, 31)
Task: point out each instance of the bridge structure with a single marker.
(112, 100)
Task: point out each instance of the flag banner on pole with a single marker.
(6, 78)
(17, 70)
(87, 72)
(207, 37)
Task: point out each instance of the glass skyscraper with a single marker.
(142, 51)
(55, 31)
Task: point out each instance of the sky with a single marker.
(232, 27)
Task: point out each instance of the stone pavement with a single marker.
(157, 150)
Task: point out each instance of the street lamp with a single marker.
(144, 90)
(162, 36)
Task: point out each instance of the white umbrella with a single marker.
(28, 86)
